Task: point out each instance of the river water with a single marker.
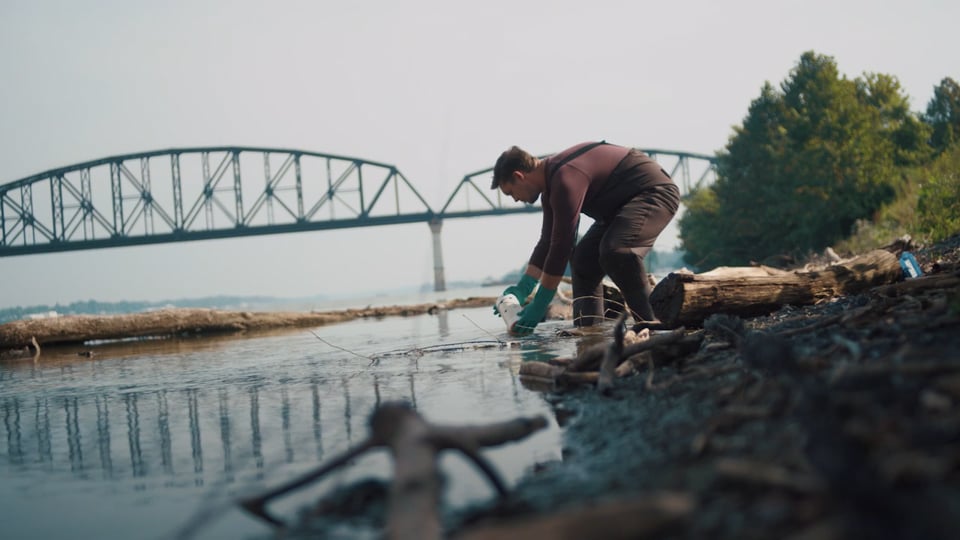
(158, 438)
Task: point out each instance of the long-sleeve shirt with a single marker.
(596, 183)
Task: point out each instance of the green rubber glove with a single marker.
(534, 312)
(521, 290)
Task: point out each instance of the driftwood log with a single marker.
(414, 507)
(186, 321)
(686, 299)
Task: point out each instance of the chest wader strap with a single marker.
(564, 161)
(575, 155)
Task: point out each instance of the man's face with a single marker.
(521, 188)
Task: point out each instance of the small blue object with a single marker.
(909, 265)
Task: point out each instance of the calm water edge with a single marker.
(156, 439)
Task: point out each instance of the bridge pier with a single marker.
(439, 281)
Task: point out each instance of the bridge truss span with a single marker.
(184, 194)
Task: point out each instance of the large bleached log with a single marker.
(193, 321)
(687, 299)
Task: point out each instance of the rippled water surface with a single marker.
(156, 439)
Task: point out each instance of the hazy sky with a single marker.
(438, 88)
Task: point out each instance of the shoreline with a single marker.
(828, 421)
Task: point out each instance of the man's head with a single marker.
(516, 174)
(512, 159)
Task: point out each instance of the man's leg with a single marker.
(628, 239)
(587, 275)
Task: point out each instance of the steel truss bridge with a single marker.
(185, 194)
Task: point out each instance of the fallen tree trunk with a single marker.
(182, 321)
(167, 322)
(686, 299)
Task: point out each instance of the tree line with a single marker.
(824, 160)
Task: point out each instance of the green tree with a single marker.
(939, 202)
(718, 226)
(807, 163)
(943, 115)
(700, 239)
(907, 131)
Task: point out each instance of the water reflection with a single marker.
(146, 427)
(160, 417)
(103, 436)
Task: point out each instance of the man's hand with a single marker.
(534, 312)
(521, 290)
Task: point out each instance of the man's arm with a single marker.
(549, 281)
